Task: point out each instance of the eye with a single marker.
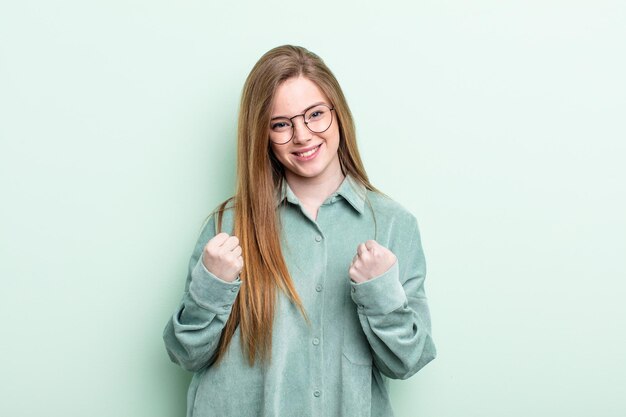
(280, 125)
(316, 114)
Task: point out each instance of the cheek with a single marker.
(333, 139)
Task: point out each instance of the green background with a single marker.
(499, 124)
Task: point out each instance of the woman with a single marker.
(307, 286)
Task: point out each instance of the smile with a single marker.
(310, 154)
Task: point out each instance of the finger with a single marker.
(361, 249)
(355, 275)
(356, 257)
(370, 244)
(219, 239)
(231, 243)
(237, 251)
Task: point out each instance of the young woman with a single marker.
(306, 289)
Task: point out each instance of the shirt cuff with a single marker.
(380, 295)
(210, 292)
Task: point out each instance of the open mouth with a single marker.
(308, 154)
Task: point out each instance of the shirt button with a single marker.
(353, 289)
(316, 341)
(318, 238)
(234, 289)
(360, 306)
(317, 393)
(226, 307)
(318, 287)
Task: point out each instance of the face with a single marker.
(308, 156)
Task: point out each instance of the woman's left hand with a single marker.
(371, 260)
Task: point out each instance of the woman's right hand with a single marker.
(222, 257)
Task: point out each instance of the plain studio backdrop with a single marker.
(499, 124)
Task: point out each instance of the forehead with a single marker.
(294, 95)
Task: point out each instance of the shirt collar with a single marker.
(350, 189)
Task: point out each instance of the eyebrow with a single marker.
(287, 117)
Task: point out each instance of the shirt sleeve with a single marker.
(193, 332)
(393, 311)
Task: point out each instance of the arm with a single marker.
(193, 332)
(393, 312)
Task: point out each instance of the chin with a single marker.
(308, 174)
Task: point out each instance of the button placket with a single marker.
(319, 251)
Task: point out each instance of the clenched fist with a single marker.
(371, 260)
(222, 257)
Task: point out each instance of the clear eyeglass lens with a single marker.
(318, 118)
(281, 130)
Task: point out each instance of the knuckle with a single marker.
(219, 236)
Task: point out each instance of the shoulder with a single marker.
(397, 229)
(220, 219)
(390, 212)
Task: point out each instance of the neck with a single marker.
(313, 191)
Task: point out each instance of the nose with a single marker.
(301, 133)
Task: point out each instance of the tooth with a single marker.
(307, 153)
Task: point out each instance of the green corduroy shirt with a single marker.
(359, 334)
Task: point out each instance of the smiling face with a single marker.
(308, 156)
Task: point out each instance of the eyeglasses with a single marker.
(317, 119)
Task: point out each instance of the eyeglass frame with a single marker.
(293, 125)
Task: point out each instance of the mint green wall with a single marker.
(501, 125)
